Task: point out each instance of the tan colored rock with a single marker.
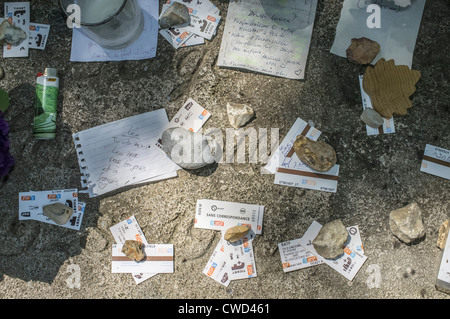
(10, 34)
(390, 87)
(58, 212)
(233, 234)
(362, 50)
(134, 250)
(406, 223)
(318, 155)
(443, 234)
(239, 114)
(331, 239)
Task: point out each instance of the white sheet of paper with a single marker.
(396, 37)
(123, 153)
(348, 264)
(221, 215)
(388, 125)
(436, 161)
(269, 37)
(86, 50)
(18, 14)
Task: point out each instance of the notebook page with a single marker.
(123, 153)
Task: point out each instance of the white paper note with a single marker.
(269, 37)
(396, 36)
(436, 161)
(86, 50)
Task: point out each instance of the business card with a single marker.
(221, 215)
(436, 161)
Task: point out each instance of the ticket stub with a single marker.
(302, 176)
(282, 157)
(294, 256)
(31, 206)
(38, 36)
(443, 278)
(158, 259)
(129, 229)
(205, 17)
(191, 116)
(436, 161)
(221, 215)
(232, 261)
(18, 14)
(348, 264)
(388, 125)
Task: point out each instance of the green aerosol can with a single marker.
(46, 106)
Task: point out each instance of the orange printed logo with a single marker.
(25, 197)
(183, 35)
(210, 18)
(250, 270)
(286, 265)
(218, 223)
(204, 112)
(52, 196)
(311, 259)
(75, 194)
(347, 251)
(138, 238)
(210, 271)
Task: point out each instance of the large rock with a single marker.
(239, 114)
(235, 233)
(58, 212)
(187, 149)
(362, 50)
(331, 239)
(406, 223)
(319, 156)
(372, 118)
(10, 34)
(134, 250)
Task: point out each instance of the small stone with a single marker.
(318, 155)
(58, 212)
(10, 34)
(176, 15)
(362, 50)
(331, 239)
(443, 234)
(406, 223)
(134, 250)
(372, 118)
(187, 149)
(239, 114)
(233, 234)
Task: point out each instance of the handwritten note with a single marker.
(123, 153)
(270, 37)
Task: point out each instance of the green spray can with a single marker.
(46, 107)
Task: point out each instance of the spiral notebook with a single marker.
(123, 153)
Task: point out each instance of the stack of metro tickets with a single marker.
(129, 229)
(388, 125)
(301, 253)
(31, 206)
(18, 14)
(221, 215)
(232, 261)
(294, 256)
(436, 161)
(205, 18)
(289, 170)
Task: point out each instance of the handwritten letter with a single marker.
(270, 37)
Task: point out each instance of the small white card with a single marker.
(129, 229)
(221, 215)
(175, 36)
(388, 125)
(158, 259)
(232, 261)
(18, 14)
(31, 206)
(205, 17)
(38, 36)
(444, 267)
(436, 161)
(283, 155)
(294, 256)
(347, 264)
